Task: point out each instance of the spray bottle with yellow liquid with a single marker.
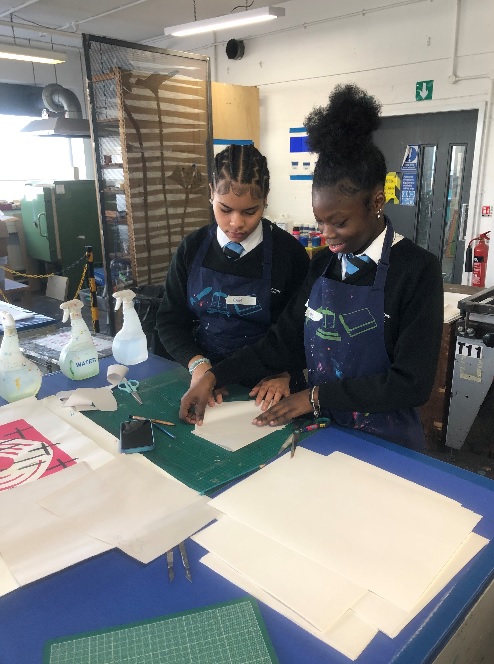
(19, 377)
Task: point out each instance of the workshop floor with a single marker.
(477, 454)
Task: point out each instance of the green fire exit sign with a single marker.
(423, 90)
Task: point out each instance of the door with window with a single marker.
(435, 214)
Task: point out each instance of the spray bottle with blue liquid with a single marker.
(79, 358)
(19, 377)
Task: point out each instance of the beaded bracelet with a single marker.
(315, 407)
(196, 363)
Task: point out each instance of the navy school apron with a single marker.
(232, 311)
(344, 338)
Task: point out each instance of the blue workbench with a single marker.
(113, 589)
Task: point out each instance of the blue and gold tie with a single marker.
(354, 263)
(233, 250)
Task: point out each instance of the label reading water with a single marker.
(84, 363)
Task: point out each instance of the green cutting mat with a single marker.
(230, 633)
(192, 460)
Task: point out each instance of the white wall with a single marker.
(297, 61)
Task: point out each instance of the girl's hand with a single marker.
(195, 400)
(286, 410)
(197, 374)
(270, 391)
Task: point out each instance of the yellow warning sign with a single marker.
(392, 187)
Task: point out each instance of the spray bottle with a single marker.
(130, 344)
(79, 358)
(19, 377)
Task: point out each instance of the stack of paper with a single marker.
(339, 546)
(63, 498)
(451, 311)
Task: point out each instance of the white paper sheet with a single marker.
(7, 580)
(89, 398)
(317, 594)
(104, 439)
(390, 619)
(170, 531)
(35, 543)
(348, 463)
(37, 444)
(229, 425)
(17, 313)
(127, 504)
(350, 635)
(386, 536)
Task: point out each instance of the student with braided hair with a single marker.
(229, 281)
(368, 319)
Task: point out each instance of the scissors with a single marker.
(291, 442)
(130, 386)
(294, 437)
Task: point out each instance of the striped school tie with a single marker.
(355, 263)
(233, 250)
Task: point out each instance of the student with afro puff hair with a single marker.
(368, 318)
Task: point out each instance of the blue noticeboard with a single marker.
(408, 188)
(411, 159)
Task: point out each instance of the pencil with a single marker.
(163, 429)
(154, 421)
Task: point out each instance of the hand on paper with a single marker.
(287, 409)
(270, 391)
(195, 400)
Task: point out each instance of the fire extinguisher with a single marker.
(476, 261)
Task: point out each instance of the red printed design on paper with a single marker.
(26, 455)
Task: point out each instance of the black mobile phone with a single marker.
(136, 436)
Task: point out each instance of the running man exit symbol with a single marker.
(423, 90)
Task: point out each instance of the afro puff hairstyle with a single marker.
(341, 134)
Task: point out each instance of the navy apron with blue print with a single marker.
(226, 326)
(347, 341)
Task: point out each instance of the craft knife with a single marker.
(185, 561)
(169, 562)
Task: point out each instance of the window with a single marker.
(24, 157)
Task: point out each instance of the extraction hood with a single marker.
(68, 122)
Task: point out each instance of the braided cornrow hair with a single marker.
(241, 167)
(341, 133)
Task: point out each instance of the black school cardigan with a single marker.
(175, 322)
(413, 304)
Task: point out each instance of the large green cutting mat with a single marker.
(230, 633)
(192, 460)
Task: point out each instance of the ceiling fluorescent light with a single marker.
(228, 21)
(28, 54)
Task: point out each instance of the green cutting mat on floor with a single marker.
(192, 460)
(230, 633)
